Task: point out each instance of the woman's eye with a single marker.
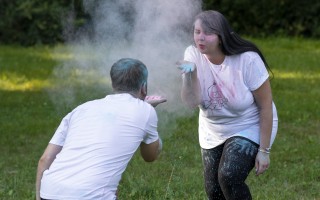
(208, 33)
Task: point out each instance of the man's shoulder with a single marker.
(94, 102)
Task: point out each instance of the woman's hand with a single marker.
(155, 100)
(190, 90)
(262, 162)
(186, 66)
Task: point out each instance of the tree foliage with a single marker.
(29, 22)
(270, 17)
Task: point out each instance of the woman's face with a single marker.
(207, 43)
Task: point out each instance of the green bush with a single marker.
(29, 22)
(270, 17)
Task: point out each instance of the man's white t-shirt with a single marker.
(99, 138)
(228, 108)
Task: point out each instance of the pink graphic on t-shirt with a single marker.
(217, 100)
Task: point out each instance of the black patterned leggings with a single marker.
(226, 168)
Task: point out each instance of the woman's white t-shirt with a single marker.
(99, 138)
(228, 108)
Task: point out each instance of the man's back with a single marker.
(98, 138)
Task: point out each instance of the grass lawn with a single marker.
(29, 114)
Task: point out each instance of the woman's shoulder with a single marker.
(192, 48)
(193, 52)
(247, 56)
(250, 55)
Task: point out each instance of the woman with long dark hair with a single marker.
(227, 77)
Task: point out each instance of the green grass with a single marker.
(29, 116)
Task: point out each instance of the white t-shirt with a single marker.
(99, 138)
(228, 108)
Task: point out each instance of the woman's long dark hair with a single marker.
(231, 42)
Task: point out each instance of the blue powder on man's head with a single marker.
(128, 74)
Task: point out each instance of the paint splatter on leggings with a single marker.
(226, 168)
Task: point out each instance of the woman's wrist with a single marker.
(264, 150)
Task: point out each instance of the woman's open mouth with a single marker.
(201, 46)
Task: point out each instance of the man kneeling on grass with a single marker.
(94, 143)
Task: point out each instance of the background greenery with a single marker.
(29, 117)
(30, 22)
(270, 17)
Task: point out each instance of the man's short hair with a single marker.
(128, 75)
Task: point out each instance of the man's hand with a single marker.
(155, 100)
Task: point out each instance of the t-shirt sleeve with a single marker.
(151, 127)
(189, 54)
(256, 73)
(61, 132)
